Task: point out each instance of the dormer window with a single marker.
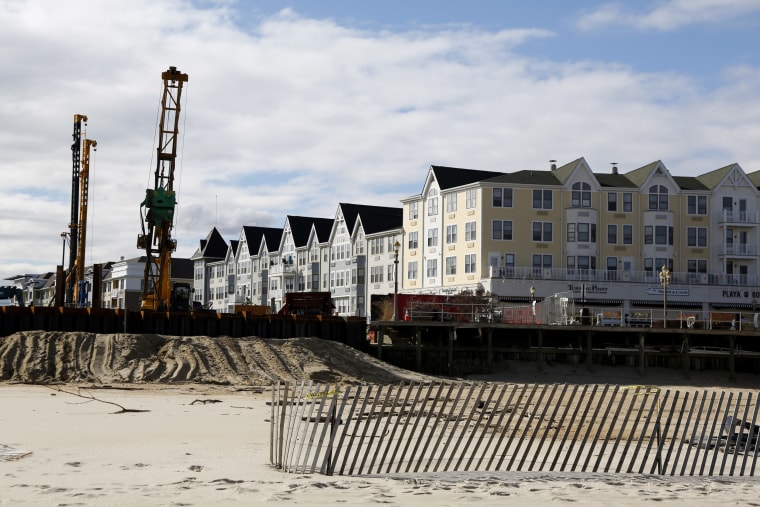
(581, 196)
(658, 198)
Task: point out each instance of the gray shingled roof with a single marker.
(387, 220)
(322, 228)
(352, 211)
(300, 228)
(254, 235)
(689, 183)
(452, 177)
(526, 177)
(713, 178)
(614, 180)
(213, 247)
(272, 238)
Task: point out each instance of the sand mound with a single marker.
(41, 356)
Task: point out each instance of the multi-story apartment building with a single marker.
(249, 287)
(376, 244)
(36, 289)
(123, 281)
(211, 250)
(318, 256)
(356, 231)
(602, 236)
(311, 255)
(290, 267)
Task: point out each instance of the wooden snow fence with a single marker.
(477, 426)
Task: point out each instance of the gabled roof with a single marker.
(640, 175)
(254, 235)
(320, 231)
(322, 228)
(388, 220)
(375, 213)
(564, 172)
(272, 238)
(713, 178)
(213, 247)
(234, 243)
(42, 280)
(300, 228)
(755, 178)
(451, 177)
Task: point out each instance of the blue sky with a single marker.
(295, 106)
(691, 36)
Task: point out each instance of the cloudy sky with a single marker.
(294, 106)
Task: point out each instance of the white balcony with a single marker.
(603, 275)
(740, 217)
(739, 250)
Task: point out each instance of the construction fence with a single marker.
(477, 426)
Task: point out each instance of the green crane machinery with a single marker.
(157, 209)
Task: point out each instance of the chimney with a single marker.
(614, 167)
(553, 165)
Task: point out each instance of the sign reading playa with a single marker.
(734, 293)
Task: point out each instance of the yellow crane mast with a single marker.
(80, 291)
(157, 209)
(80, 182)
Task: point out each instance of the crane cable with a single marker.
(155, 134)
(91, 222)
(155, 148)
(181, 159)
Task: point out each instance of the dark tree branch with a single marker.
(90, 397)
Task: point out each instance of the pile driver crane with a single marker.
(157, 209)
(80, 182)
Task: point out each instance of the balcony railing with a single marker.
(740, 217)
(739, 250)
(601, 275)
(279, 269)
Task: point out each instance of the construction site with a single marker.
(441, 334)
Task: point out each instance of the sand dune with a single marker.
(40, 357)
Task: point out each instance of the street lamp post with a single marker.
(665, 281)
(533, 302)
(396, 247)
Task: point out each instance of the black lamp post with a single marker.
(396, 247)
(665, 281)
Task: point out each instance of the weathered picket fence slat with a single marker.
(480, 426)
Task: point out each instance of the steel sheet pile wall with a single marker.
(443, 426)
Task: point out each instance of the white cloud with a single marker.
(298, 115)
(668, 14)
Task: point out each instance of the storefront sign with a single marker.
(587, 289)
(657, 291)
(739, 294)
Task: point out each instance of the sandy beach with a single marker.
(201, 445)
(196, 443)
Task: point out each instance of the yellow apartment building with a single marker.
(602, 236)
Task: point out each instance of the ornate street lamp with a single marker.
(396, 247)
(665, 281)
